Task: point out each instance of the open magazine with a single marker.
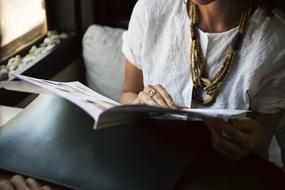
(107, 112)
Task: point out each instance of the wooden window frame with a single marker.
(26, 40)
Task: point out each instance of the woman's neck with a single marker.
(219, 16)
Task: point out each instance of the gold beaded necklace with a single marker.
(202, 84)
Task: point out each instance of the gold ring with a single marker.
(151, 92)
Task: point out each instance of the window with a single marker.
(22, 23)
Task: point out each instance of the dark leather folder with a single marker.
(53, 140)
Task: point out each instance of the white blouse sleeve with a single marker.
(133, 39)
(271, 95)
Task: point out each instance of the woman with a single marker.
(215, 54)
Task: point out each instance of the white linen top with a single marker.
(158, 42)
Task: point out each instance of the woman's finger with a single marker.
(6, 185)
(146, 99)
(165, 95)
(245, 123)
(33, 184)
(157, 97)
(227, 155)
(228, 128)
(223, 142)
(211, 122)
(181, 106)
(46, 188)
(19, 183)
(237, 135)
(138, 100)
(159, 100)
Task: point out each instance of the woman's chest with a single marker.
(166, 61)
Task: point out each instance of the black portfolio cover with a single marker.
(53, 140)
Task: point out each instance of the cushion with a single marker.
(103, 60)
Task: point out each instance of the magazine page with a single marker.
(22, 86)
(91, 102)
(218, 113)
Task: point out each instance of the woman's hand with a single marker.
(239, 137)
(19, 183)
(155, 95)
